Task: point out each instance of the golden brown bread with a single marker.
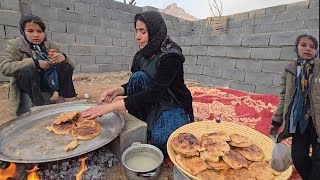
(73, 144)
(208, 157)
(66, 116)
(218, 135)
(88, 130)
(238, 174)
(238, 140)
(252, 153)
(261, 170)
(210, 175)
(235, 160)
(63, 128)
(186, 144)
(193, 165)
(216, 147)
(220, 165)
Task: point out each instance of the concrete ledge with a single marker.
(134, 130)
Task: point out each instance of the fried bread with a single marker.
(88, 130)
(210, 175)
(232, 174)
(66, 116)
(186, 144)
(252, 153)
(193, 165)
(73, 144)
(216, 147)
(220, 165)
(62, 128)
(238, 140)
(235, 160)
(261, 170)
(208, 157)
(218, 135)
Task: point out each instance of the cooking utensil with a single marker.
(150, 153)
(26, 140)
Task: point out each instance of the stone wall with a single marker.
(99, 36)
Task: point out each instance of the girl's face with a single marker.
(34, 33)
(142, 35)
(307, 49)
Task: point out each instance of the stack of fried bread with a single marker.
(72, 123)
(219, 155)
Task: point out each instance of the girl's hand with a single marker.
(45, 65)
(57, 58)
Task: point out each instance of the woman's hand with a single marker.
(100, 110)
(57, 58)
(108, 95)
(45, 65)
(96, 111)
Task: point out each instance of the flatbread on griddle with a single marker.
(252, 153)
(238, 140)
(73, 144)
(193, 165)
(81, 120)
(235, 160)
(63, 128)
(186, 144)
(66, 116)
(86, 131)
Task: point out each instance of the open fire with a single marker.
(92, 165)
(11, 171)
(83, 168)
(32, 174)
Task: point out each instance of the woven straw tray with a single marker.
(199, 128)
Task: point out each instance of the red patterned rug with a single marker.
(253, 110)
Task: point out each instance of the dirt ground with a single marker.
(92, 84)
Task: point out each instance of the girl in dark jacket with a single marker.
(26, 60)
(156, 92)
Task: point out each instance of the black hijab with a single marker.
(157, 31)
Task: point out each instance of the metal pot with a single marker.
(142, 161)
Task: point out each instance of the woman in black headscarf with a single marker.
(156, 92)
(27, 61)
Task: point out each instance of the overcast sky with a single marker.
(200, 8)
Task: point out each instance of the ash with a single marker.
(97, 165)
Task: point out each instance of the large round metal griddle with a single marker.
(26, 140)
